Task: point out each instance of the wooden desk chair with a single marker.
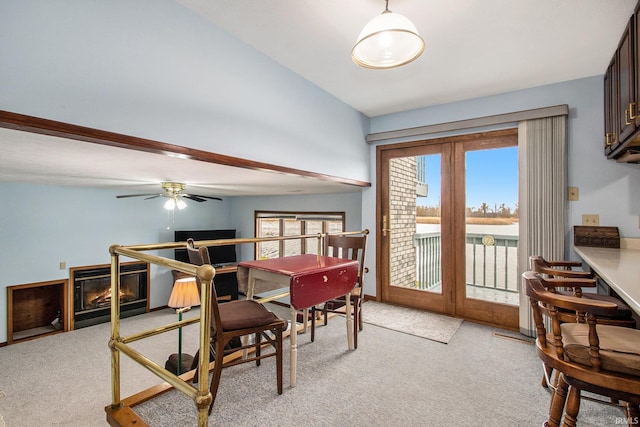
(558, 268)
(600, 359)
(557, 276)
(351, 247)
(234, 319)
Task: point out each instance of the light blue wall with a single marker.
(159, 71)
(155, 69)
(607, 188)
(43, 225)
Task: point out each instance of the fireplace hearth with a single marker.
(92, 292)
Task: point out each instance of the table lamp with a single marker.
(183, 296)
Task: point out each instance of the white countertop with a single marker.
(619, 268)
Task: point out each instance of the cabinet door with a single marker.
(626, 85)
(610, 107)
(636, 56)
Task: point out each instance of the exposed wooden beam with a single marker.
(38, 125)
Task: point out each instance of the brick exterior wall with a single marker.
(402, 204)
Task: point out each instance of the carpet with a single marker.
(432, 326)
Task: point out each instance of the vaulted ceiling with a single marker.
(473, 49)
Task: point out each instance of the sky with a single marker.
(491, 177)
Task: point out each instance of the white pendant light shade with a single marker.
(388, 40)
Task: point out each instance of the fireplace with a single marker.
(92, 292)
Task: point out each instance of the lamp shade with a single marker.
(184, 293)
(389, 40)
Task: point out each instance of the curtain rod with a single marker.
(517, 116)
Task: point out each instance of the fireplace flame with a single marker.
(105, 297)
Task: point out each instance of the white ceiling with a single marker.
(35, 158)
(474, 48)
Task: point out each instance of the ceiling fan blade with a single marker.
(153, 196)
(193, 197)
(203, 197)
(134, 195)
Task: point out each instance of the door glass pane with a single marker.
(414, 197)
(491, 229)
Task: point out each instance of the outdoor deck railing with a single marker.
(491, 261)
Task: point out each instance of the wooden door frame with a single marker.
(502, 315)
(439, 303)
(455, 303)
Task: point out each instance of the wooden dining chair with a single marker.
(234, 319)
(600, 359)
(353, 247)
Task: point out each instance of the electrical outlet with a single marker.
(591, 219)
(63, 265)
(573, 194)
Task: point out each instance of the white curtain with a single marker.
(542, 164)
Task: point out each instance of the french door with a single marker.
(448, 234)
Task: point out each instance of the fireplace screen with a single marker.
(92, 292)
(96, 293)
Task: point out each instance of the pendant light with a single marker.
(389, 40)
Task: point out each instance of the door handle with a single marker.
(384, 226)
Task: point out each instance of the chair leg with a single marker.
(547, 375)
(313, 323)
(196, 359)
(632, 411)
(356, 323)
(279, 359)
(558, 399)
(573, 407)
(257, 341)
(325, 314)
(217, 372)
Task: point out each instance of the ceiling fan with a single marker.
(173, 192)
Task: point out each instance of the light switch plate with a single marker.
(573, 194)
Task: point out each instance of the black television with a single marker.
(219, 255)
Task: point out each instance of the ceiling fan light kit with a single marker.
(173, 192)
(171, 204)
(389, 40)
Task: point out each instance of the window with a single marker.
(278, 224)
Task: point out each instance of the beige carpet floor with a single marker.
(393, 378)
(432, 326)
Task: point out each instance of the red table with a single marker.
(311, 280)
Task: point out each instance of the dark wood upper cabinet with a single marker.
(636, 62)
(610, 107)
(626, 82)
(622, 96)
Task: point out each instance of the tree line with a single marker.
(483, 211)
